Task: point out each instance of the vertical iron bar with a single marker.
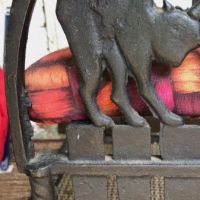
(16, 39)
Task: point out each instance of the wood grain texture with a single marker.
(14, 186)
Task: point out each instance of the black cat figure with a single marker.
(125, 36)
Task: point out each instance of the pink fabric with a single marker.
(3, 115)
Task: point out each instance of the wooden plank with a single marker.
(45, 145)
(14, 185)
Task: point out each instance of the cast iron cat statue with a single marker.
(126, 36)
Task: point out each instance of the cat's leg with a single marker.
(118, 71)
(91, 74)
(85, 43)
(142, 74)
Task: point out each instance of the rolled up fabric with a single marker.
(186, 85)
(53, 84)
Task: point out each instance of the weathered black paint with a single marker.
(126, 36)
(16, 39)
(86, 142)
(90, 188)
(179, 189)
(140, 188)
(87, 164)
(180, 143)
(131, 143)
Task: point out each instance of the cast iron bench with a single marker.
(83, 155)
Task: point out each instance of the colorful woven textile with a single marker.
(53, 84)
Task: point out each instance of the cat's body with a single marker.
(125, 36)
